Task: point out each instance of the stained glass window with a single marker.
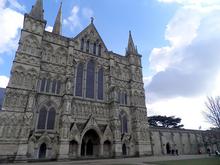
(58, 87)
(124, 122)
(42, 118)
(48, 85)
(79, 80)
(100, 50)
(94, 48)
(100, 84)
(42, 86)
(51, 118)
(87, 46)
(90, 79)
(82, 44)
(126, 99)
(54, 86)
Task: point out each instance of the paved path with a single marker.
(121, 161)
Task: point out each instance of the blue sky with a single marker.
(178, 39)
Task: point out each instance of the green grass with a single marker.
(205, 161)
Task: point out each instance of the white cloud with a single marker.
(73, 21)
(49, 28)
(3, 81)
(87, 12)
(16, 5)
(187, 69)
(77, 15)
(9, 29)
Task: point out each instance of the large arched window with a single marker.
(100, 50)
(124, 122)
(87, 46)
(90, 79)
(47, 116)
(82, 45)
(42, 86)
(51, 118)
(94, 48)
(79, 80)
(42, 118)
(100, 84)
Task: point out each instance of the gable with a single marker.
(90, 34)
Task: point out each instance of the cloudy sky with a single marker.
(179, 41)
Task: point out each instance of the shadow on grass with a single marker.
(206, 161)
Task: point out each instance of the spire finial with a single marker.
(131, 49)
(92, 20)
(37, 11)
(57, 28)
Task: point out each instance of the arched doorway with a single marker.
(90, 144)
(124, 149)
(42, 151)
(168, 148)
(73, 148)
(107, 148)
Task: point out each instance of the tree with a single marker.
(212, 112)
(165, 122)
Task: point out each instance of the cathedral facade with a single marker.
(71, 98)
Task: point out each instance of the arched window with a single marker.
(58, 87)
(124, 122)
(87, 46)
(79, 80)
(100, 84)
(42, 118)
(47, 116)
(51, 118)
(126, 99)
(54, 84)
(48, 85)
(42, 86)
(90, 79)
(100, 50)
(94, 48)
(82, 45)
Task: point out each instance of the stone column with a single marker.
(101, 150)
(64, 149)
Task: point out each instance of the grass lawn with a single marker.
(206, 161)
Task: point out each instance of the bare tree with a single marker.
(213, 110)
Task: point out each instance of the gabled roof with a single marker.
(91, 27)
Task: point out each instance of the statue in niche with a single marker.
(68, 86)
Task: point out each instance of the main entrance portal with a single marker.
(90, 144)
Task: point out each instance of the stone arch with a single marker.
(61, 55)
(107, 149)
(123, 117)
(42, 151)
(168, 148)
(30, 44)
(18, 75)
(43, 115)
(124, 149)
(90, 143)
(48, 50)
(73, 148)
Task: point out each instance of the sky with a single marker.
(178, 39)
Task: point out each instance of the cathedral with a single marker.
(72, 98)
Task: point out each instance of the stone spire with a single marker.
(37, 10)
(131, 49)
(57, 28)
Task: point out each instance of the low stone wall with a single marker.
(181, 141)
